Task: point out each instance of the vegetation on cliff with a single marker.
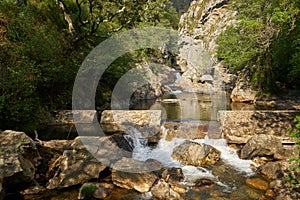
(265, 42)
(44, 42)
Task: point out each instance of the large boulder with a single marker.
(81, 163)
(261, 145)
(134, 175)
(243, 92)
(162, 190)
(18, 159)
(192, 153)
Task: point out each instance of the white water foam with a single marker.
(164, 149)
(162, 152)
(229, 155)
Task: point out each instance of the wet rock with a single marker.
(257, 183)
(204, 182)
(94, 190)
(245, 192)
(133, 174)
(272, 170)
(18, 159)
(164, 191)
(260, 145)
(74, 167)
(173, 174)
(192, 153)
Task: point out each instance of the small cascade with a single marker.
(162, 152)
(177, 77)
(229, 155)
(136, 139)
(173, 87)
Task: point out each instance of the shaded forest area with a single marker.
(43, 44)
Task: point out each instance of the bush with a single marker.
(294, 177)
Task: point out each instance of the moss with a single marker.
(87, 190)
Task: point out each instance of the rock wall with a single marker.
(199, 27)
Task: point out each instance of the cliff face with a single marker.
(199, 27)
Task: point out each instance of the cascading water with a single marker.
(162, 152)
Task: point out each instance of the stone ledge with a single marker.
(239, 126)
(120, 120)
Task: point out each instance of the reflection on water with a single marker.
(188, 106)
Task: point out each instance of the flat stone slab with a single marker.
(120, 120)
(239, 126)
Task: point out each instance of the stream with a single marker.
(230, 173)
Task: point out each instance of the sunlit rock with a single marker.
(133, 178)
(18, 159)
(186, 130)
(164, 191)
(257, 183)
(192, 153)
(261, 145)
(243, 92)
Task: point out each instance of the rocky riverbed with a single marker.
(34, 169)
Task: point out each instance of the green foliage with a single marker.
(265, 42)
(44, 42)
(87, 191)
(295, 180)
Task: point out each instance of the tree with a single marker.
(43, 43)
(264, 29)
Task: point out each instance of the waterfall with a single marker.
(229, 155)
(162, 152)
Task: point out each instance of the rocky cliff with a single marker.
(199, 27)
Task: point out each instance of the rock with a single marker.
(260, 145)
(18, 159)
(206, 78)
(33, 190)
(203, 182)
(270, 193)
(257, 183)
(165, 89)
(286, 152)
(243, 92)
(164, 191)
(173, 175)
(272, 170)
(240, 125)
(245, 192)
(141, 182)
(192, 153)
(121, 120)
(134, 175)
(75, 167)
(198, 28)
(186, 130)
